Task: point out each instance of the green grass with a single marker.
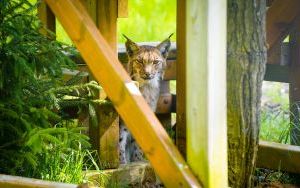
(275, 123)
(64, 166)
(275, 126)
(70, 166)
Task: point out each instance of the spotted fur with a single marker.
(145, 66)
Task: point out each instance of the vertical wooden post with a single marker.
(181, 78)
(105, 137)
(91, 7)
(122, 8)
(165, 119)
(107, 14)
(47, 17)
(295, 84)
(206, 90)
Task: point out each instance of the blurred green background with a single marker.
(151, 20)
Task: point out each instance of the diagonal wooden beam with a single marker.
(141, 121)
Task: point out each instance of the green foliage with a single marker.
(275, 125)
(275, 115)
(149, 21)
(35, 131)
(65, 165)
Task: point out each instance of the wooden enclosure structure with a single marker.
(282, 20)
(92, 25)
(157, 146)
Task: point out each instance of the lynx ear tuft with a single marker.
(164, 46)
(131, 47)
(171, 35)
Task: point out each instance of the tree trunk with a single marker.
(246, 59)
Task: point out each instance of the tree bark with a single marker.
(246, 59)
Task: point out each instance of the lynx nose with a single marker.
(147, 75)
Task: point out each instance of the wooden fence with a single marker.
(197, 130)
(125, 96)
(159, 149)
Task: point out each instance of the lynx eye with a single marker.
(156, 62)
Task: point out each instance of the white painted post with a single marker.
(206, 90)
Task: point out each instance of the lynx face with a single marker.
(146, 63)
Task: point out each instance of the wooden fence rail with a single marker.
(276, 156)
(167, 103)
(7, 181)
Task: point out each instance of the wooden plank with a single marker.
(181, 78)
(122, 8)
(164, 104)
(206, 90)
(279, 54)
(270, 2)
(277, 156)
(277, 73)
(104, 65)
(108, 119)
(164, 118)
(107, 14)
(47, 17)
(91, 8)
(294, 90)
(105, 136)
(170, 72)
(279, 18)
(7, 181)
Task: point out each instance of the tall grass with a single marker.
(275, 114)
(275, 125)
(64, 166)
(68, 166)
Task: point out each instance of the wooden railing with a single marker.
(278, 72)
(276, 156)
(7, 181)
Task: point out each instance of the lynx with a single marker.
(145, 66)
